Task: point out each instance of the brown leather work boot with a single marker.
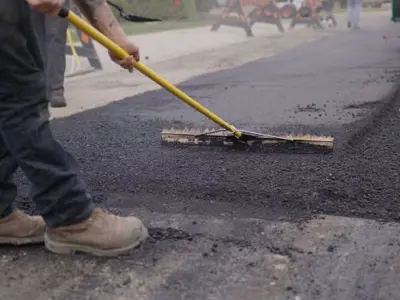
(19, 228)
(102, 234)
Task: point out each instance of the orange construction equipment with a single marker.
(266, 12)
(308, 14)
(226, 20)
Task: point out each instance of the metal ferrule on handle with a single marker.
(118, 51)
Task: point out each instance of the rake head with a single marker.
(305, 143)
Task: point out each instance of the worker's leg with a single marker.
(357, 12)
(51, 33)
(58, 189)
(15, 227)
(350, 12)
(8, 189)
(39, 26)
(56, 37)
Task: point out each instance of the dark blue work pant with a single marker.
(52, 35)
(26, 140)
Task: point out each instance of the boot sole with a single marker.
(19, 241)
(67, 248)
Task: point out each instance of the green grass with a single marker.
(143, 28)
(365, 9)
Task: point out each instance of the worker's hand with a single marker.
(127, 63)
(48, 7)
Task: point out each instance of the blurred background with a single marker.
(192, 13)
(190, 24)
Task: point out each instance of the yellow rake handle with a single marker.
(118, 51)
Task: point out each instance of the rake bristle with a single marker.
(220, 137)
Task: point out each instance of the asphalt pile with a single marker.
(119, 149)
(123, 156)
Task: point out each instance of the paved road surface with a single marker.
(228, 225)
(180, 59)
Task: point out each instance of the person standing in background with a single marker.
(52, 35)
(354, 8)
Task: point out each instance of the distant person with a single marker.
(354, 8)
(52, 34)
